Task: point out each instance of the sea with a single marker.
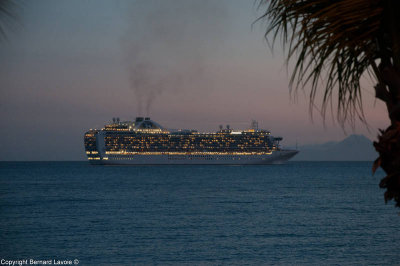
(299, 213)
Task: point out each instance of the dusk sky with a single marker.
(68, 66)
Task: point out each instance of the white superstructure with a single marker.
(146, 142)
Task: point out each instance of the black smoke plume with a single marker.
(167, 45)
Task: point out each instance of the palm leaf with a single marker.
(333, 43)
(7, 16)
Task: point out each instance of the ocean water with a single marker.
(299, 213)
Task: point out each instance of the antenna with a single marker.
(254, 125)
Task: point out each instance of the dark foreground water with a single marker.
(299, 213)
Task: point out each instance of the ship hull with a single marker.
(276, 157)
(145, 142)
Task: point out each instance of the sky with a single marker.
(69, 66)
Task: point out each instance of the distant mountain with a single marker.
(352, 148)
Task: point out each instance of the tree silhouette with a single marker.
(333, 43)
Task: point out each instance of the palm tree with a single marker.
(335, 42)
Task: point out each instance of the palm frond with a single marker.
(7, 16)
(333, 43)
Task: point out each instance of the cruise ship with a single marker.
(144, 141)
